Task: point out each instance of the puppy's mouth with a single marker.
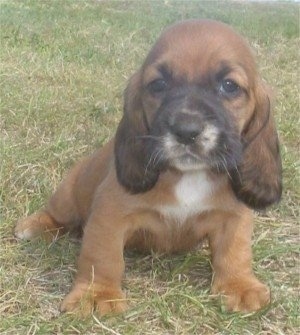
(188, 148)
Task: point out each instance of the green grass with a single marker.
(64, 65)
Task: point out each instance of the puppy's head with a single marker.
(198, 103)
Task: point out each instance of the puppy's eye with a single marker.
(229, 87)
(157, 86)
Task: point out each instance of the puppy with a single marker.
(195, 151)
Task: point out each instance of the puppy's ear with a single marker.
(257, 180)
(132, 147)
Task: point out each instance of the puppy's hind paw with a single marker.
(35, 225)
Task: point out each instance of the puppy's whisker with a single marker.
(223, 161)
(238, 173)
(158, 158)
(152, 159)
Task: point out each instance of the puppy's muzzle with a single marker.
(196, 132)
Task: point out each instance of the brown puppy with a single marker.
(195, 150)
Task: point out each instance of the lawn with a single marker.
(64, 65)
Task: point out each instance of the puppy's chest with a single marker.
(193, 194)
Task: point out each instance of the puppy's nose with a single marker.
(185, 132)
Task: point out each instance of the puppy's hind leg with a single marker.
(59, 216)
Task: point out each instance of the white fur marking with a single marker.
(209, 137)
(192, 193)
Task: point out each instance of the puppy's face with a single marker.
(197, 96)
(198, 103)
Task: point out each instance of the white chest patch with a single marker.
(192, 192)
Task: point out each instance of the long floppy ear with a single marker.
(132, 147)
(257, 180)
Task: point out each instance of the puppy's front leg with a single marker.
(230, 244)
(100, 268)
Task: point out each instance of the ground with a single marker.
(64, 65)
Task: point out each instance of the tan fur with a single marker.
(91, 197)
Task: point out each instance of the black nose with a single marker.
(185, 132)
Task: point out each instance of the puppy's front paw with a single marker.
(84, 299)
(243, 294)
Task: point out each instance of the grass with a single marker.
(64, 65)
